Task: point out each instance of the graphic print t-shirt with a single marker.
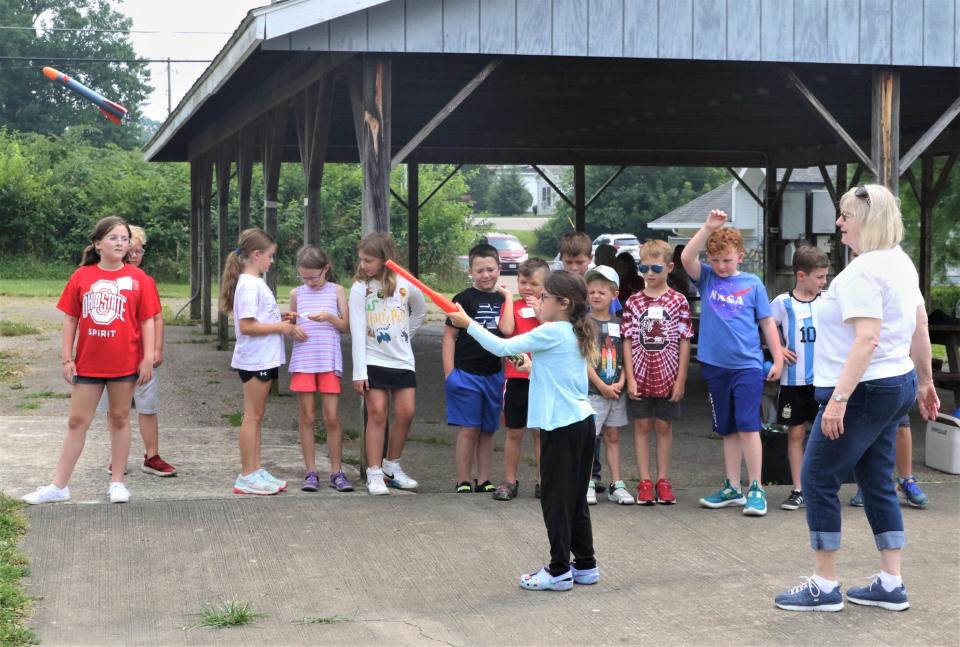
(610, 344)
(525, 320)
(484, 308)
(109, 307)
(655, 326)
(730, 310)
(798, 325)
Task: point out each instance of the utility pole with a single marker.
(169, 94)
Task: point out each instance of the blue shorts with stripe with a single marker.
(735, 395)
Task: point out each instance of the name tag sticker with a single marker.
(655, 312)
(802, 310)
(613, 330)
(125, 283)
(527, 313)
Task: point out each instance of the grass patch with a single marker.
(170, 318)
(320, 432)
(351, 434)
(322, 620)
(351, 460)
(529, 240)
(15, 606)
(11, 370)
(235, 419)
(17, 386)
(44, 394)
(529, 460)
(231, 613)
(16, 329)
(29, 404)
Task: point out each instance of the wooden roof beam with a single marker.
(928, 137)
(743, 183)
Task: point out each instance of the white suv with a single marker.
(622, 243)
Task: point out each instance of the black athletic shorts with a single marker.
(265, 375)
(381, 377)
(796, 405)
(515, 395)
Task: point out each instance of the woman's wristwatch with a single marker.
(836, 397)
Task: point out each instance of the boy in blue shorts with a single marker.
(795, 315)
(474, 377)
(733, 303)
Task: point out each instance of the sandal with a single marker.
(543, 581)
(506, 491)
(486, 487)
(464, 487)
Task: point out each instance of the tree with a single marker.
(479, 179)
(31, 103)
(639, 195)
(507, 196)
(946, 236)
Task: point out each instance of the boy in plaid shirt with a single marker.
(656, 347)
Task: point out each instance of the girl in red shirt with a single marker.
(109, 312)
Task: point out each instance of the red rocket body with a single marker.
(112, 111)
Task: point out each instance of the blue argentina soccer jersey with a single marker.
(797, 322)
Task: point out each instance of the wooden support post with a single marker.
(580, 196)
(927, 198)
(413, 217)
(195, 251)
(225, 239)
(839, 256)
(885, 128)
(206, 283)
(312, 110)
(275, 127)
(370, 96)
(771, 224)
(246, 148)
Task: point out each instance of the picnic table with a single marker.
(947, 335)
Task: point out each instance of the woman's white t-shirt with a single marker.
(881, 284)
(253, 299)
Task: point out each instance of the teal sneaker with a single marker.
(756, 505)
(724, 497)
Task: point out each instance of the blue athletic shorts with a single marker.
(474, 400)
(735, 395)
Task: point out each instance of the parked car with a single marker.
(511, 251)
(622, 243)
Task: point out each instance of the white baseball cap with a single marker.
(603, 271)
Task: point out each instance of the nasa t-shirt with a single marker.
(730, 310)
(109, 307)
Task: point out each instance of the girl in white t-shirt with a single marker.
(259, 352)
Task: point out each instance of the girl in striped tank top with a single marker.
(316, 363)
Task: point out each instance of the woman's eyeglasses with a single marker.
(656, 269)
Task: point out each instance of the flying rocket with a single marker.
(112, 111)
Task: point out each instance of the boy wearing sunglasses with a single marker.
(656, 346)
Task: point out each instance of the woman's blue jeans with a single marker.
(868, 447)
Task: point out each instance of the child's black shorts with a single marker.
(515, 395)
(265, 375)
(796, 405)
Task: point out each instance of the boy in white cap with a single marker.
(606, 393)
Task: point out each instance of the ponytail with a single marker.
(251, 240)
(228, 282)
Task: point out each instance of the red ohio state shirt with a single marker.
(109, 307)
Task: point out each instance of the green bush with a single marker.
(945, 298)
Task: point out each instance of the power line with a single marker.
(114, 31)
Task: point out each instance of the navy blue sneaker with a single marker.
(874, 595)
(809, 597)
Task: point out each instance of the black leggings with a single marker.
(566, 459)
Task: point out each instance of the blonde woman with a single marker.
(871, 333)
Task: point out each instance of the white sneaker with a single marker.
(267, 476)
(47, 494)
(618, 494)
(591, 493)
(395, 476)
(118, 493)
(375, 484)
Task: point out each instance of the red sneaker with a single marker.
(665, 494)
(157, 466)
(645, 492)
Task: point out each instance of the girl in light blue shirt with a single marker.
(562, 348)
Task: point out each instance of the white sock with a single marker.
(389, 463)
(375, 471)
(890, 582)
(826, 586)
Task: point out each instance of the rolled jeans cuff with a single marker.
(825, 540)
(890, 540)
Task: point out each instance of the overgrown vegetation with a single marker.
(15, 605)
(17, 329)
(231, 613)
